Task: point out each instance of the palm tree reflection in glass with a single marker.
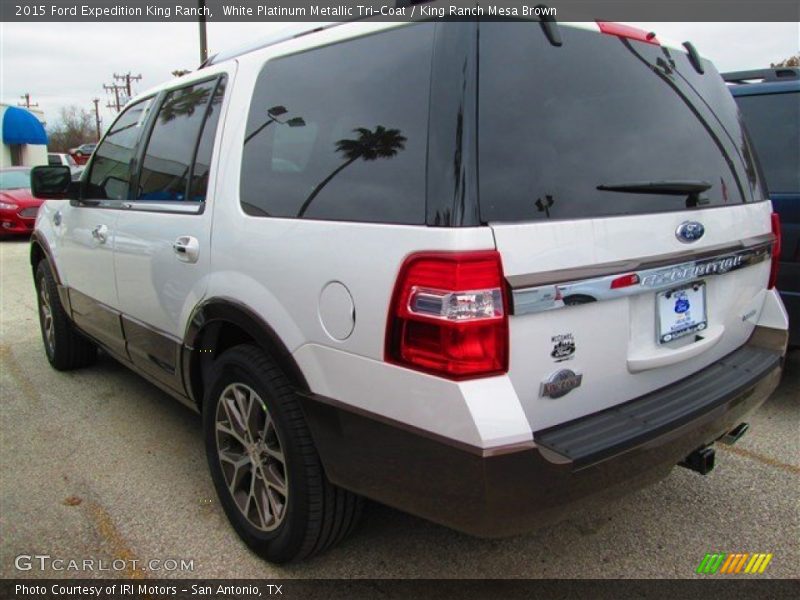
(274, 113)
(369, 145)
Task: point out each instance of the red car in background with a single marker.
(82, 153)
(18, 207)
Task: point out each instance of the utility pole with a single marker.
(201, 5)
(97, 117)
(127, 78)
(27, 104)
(115, 88)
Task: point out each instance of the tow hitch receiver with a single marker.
(700, 461)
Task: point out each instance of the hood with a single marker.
(21, 197)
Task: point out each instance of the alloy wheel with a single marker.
(251, 457)
(47, 316)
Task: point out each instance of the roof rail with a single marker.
(763, 75)
(289, 33)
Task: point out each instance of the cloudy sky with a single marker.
(62, 64)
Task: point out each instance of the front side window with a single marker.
(340, 132)
(169, 172)
(111, 172)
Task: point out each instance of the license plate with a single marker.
(680, 312)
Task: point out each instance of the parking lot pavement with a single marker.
(100, 464)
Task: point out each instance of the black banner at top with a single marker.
(398, 10)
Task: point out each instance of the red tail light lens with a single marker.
(776, 250)
(449, 315)
(626, 31)
(624, 281)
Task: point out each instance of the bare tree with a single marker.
(74, 127)
(792, 61)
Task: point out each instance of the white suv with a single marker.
(477, 282)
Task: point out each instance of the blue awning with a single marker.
(22, 127)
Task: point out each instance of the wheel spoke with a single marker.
(234, 416)
(274, 478)
(238, 467)
(225, 429)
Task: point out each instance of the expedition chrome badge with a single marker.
(560, 383)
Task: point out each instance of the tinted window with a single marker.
(340, 132)
(168, 158)
(774, 124)
(557, 122)
(110, 174)
(53, 160)
(202, 162)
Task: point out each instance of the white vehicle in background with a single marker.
(482, 283)
(62, 159)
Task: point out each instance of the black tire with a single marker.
(68, 349)
(316, 513)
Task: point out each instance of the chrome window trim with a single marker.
(556, 295)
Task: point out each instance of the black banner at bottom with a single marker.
(250, 589)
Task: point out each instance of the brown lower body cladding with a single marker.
(509, 493)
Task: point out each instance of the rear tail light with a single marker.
(449, 315)
(626, 31)
(776, 250)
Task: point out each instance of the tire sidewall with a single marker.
(234, 367)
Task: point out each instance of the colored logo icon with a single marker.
(734, 563)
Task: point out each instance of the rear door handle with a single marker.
(100, 233)
(187, 248)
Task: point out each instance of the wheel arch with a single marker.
(217, 324)
(40, 249)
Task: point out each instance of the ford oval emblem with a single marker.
(689, 231)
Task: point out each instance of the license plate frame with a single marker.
(676, 319)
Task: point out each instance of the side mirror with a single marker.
(52, 183)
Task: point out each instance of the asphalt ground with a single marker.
(100, 464)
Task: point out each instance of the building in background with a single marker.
(24, 137)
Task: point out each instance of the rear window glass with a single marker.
(340, 132)
(773, 121)
(555, 123)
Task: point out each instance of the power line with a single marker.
(113, 87)
(127, 78)
(27, 104)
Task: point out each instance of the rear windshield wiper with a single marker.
(690, 189)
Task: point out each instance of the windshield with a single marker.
(603, 126)
(16, 179)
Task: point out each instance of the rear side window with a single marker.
(773, 121)
(340, 132)
(169, 170)
(556, 123)
(111, 173)
(53, 160)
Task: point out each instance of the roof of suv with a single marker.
(763, 81)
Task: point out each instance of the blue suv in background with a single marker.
(770, 102)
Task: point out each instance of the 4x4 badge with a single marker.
(560, 383)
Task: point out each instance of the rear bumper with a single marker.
(521, 488)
